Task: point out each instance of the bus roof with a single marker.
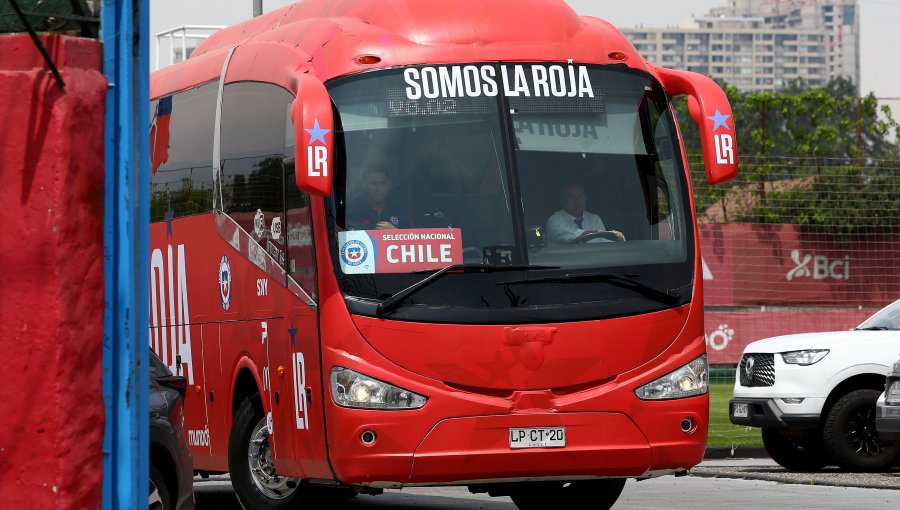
(327, 37)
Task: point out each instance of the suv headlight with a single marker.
(804, 358)
(892, 386)
(353, 389)
(892, 390)
(687, 381)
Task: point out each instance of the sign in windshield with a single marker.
(399, 251)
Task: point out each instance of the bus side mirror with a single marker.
(711, 112)
(313, 121)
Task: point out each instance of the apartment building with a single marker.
(762, 45)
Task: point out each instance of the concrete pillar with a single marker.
(51, 274)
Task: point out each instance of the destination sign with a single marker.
(511, 80)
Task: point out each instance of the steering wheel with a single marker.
(604, 234)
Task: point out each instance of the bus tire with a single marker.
(850, 436)
(587, 494)
(256, 484)
(794, 454)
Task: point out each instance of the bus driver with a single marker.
(375, 211)
(573, 222)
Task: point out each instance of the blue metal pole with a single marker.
(125, 36)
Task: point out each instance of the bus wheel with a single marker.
(253, 475)
(602, 494)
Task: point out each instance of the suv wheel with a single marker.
(794, 454)
(850, 436)
(159, 491)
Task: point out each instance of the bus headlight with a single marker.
(353, 389)
(687, 381)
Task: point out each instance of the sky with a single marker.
(880, 56)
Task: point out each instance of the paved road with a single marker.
(697, 492)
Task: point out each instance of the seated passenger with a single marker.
(375, 211)
(573, 222)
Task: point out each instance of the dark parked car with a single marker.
(171, 466)
(887, 410)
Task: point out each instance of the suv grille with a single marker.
(757, 370)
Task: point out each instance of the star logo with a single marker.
(293, 332)
(719, 120)
(170, 215)
(317, 133)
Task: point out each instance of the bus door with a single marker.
(306, 370)
(272, 220)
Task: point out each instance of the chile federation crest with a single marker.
(225, 282)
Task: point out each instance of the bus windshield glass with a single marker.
(556, 169)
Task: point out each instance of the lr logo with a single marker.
(822, 268)
(317, 161)
(317, 155)
(724, 149)
(300, 391)
(724, 141)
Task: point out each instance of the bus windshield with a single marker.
(555, 169)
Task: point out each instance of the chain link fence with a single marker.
(795, 245)
(75, 17)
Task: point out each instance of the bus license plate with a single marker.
(537, 437)
(740, 410)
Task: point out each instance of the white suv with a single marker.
(814, 394)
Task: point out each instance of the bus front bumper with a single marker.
(472, 450)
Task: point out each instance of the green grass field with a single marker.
(721, 431)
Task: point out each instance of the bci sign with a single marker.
(818, 267)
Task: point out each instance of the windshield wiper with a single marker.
(872, 328)
(620, 280)
(391, 302)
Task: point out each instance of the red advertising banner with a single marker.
(399, 250)
(727, 333)
(753, 264)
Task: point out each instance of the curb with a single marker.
(789, 478)
(737, 452)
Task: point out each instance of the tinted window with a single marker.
(181, 147)
(298, 233)
(252, 151)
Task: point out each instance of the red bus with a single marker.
(400, 243)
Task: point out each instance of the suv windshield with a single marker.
(565, 168)
(887, 318)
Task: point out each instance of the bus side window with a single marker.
(252, 154)
(181, 144)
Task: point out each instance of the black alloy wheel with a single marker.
(850, 436)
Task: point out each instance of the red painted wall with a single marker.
(779, 265)
(728, 333)
(51, 274)
(770, 280)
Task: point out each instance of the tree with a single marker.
(828, 122)
(821, 158)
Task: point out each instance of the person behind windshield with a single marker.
(574, 222)
(375, 211)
